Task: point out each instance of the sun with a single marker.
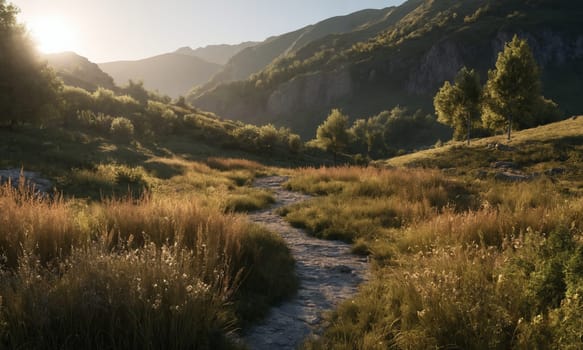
(52, 34)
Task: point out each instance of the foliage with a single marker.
(512, 96)
(28, 88)
(458, 105)
(494, 267)
(122, 129)
(333, 134)
(384, 134)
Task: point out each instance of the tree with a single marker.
(333, 134)
(28, 88)
(458, 105)
(512, 96)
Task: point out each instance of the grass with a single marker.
(458, 261)
(169, 266)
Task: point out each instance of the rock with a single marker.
(555, 171)
(500, 147)
(342, 269)
(482, 174)
(328, 273)
(513, 177)
(32, 179)
(504, 165)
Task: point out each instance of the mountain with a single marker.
(255, 58)
(78, 71)
(402, 59)
(173, 74)
(219, 54)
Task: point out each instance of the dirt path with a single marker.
(327, 271)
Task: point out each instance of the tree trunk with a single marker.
(509, 127)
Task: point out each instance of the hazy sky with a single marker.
(105, 30)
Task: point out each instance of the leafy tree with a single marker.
(458, 105)
(512, 96)
(28, 88)
(333, 135)
(367, 132)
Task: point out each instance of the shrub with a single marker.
(122, 129)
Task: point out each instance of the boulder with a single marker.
(504, 165)
(31, 179)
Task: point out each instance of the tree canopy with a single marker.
(28, 88)
(458, 105)
(333, 134)
(512, 96)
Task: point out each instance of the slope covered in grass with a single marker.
(459, 260)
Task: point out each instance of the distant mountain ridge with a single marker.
(402, 58)
(173, 74)
(219, 54)
(78, 71)
(255, 58)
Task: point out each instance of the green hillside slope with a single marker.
(422, 44)
(257, 57)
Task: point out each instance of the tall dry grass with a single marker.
(477, 265)
(148, 273)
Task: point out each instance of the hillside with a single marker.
(552, 149)
(219, 54)
(172, 73)
(255, 58)
(78, 71)
(422, 44)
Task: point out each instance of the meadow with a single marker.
(459, 262)
(172, 266)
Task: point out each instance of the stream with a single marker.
(328, 274)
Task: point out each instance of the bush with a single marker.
(295, 143)
(122, 129)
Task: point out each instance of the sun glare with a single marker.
(52, 34)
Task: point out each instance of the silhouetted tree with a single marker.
(136, 90)
(458, 105)
(28, 88)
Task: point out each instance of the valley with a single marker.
(409, 177)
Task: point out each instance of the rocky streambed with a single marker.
(328, 274)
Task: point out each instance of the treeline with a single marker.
(510, 99)
(30, 93)
(384, 135)
(137, 113)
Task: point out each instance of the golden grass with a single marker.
(152, 272)
(568, 128)
(233, 164)
(473, 265)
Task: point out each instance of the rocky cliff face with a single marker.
(310, 91)
(424, 45)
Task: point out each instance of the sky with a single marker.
(110, 30)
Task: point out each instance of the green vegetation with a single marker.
(384, 135)
(333, 135)
(401, 59)
(28, 89)
(458, 261)
(512, 94)
(458, 105)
